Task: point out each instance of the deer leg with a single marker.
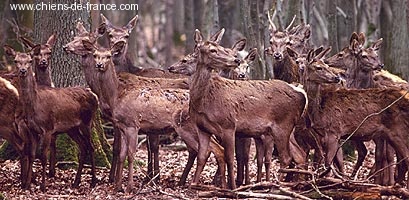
(362, 152)
(401, 170)
(115, 155)
(399, 143)
(131, 135)
(120, 163)
(260, 158)
(204, 140)
(150, 139)
(89, 147)
(45, 145)
(53, 158)
(189, 165)
(246, 160)
(390, 154)
(220, 178)
(268, 148)
(240, 154)
(228, 144)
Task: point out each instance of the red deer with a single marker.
(224, 107)
(185, 128)
(361, 64)
(134, 109)
(349, 107)
(10, 108)
(42, 60)
(42, 71)
(122, 61)
(284, 66)
(88, 66)
(47, 111)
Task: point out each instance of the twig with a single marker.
(171, 195)
(293, 194)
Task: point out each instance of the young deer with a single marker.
(42, 60)
(122, 61)
(361, 64)
(134, 108)
(125, 80)
(47, 111)
(349, 107)
(224, 107)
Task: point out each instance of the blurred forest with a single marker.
(164, 30)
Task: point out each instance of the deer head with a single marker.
(316, 71)
(76, 45)
(42, 57)
(214, 56)
(243, 69)
(365, 59)
(116, 34)
(102, 56)
(23, 61)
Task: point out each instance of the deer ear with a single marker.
(131, 24)
(8, 50)
(101, 30)
(198, 37)
(323, 53)
(307, 32)
(88, 46)
(251, 56)
(27, 42)
(36, 50)
(80, 28)
(217, 37)
(355, 47)
(377, 45)
(239, 45)
(361, 38)
(107, 23)
(117, 47)
(292, 53)
(354, 36)
(51, 40)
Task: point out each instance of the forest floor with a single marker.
(172, 164)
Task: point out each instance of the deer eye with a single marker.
(108, 57)
(297, 62)
(271, 42)
(340, 54)
(126, 36)
(213, 51)
(15, 61)
(95, 56)
(319, 68)
(364, 56)
(184, 61)
(110, 36)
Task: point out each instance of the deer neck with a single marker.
(199, 86)
(108, 84)
(28, 94)
(43, 76)
(313, 91)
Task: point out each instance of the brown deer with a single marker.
(185, 128)
(10, 108)
(284, 66)
(122, 61)
(134, 109)
(222, 107)
(361, 64)
(42, 60)
(125, 79)
(42, 71)
(47, 111)
(348, 107)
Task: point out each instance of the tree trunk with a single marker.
(332, 26)
(66, 69)
(394, 31)
(189, 25)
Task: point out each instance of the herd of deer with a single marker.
(208, 100)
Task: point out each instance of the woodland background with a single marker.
(165, 28)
